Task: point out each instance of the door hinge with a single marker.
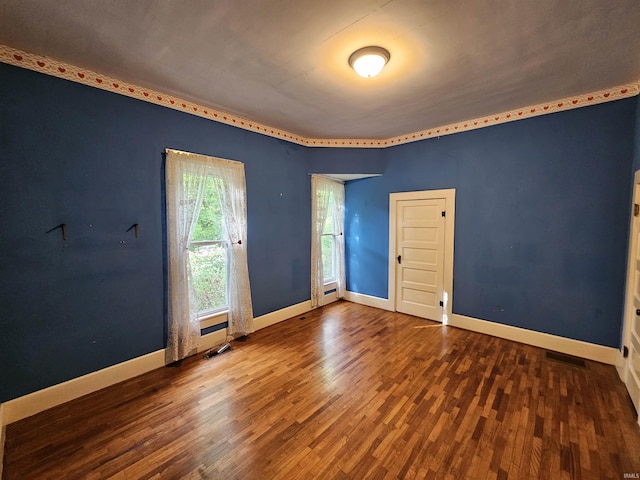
(636, 209)
(441, 303)
(625, 352)
(444, 214)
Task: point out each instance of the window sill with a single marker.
(213, 319)
(328, 286)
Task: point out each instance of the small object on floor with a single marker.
(217, 351)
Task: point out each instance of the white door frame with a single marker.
(450, 198)
(629, 309)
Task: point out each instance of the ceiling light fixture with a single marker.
(369, 61)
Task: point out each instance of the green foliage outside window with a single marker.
(210, 221)
(209, 262)
(209, 274)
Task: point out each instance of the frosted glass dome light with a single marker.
(369, 61)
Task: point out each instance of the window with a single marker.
(207, 269)
(327, 241)
(208, 254)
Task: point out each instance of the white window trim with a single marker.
(330, 285)
(212, 319)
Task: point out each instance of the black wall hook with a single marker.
(135, 228)
(63, 227)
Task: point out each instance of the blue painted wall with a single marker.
(94, 160)
(634, 168)
(537, 244)
(541, 219)
(346, 160)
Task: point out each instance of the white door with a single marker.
(631, 336)
(420, 245)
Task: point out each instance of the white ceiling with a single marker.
(284, 62)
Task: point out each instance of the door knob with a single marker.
(400, 261)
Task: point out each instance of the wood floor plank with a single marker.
(349, 392)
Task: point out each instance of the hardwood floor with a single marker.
(347, 392)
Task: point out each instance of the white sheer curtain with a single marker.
(233, 198)
(322, 189)
(186, 175)
(338, 215)
(185, 189)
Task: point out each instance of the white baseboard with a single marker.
(41, 400)
(621, 365)
(283, 314)
(564, 345)
(591, 351)
(369, 301)
(36, 402)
